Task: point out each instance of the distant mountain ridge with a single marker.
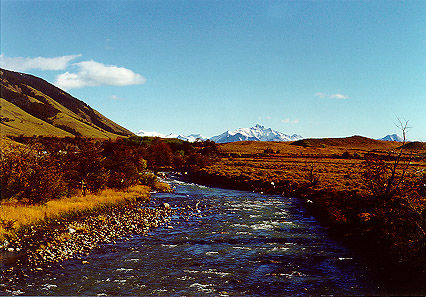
(32, 106)
(190, 138)
(256, 133)
(356, 141)
(392, 137)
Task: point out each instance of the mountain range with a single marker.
(190, 138)
(256, 133)
(31, 106)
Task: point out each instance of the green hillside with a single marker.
(31, 106)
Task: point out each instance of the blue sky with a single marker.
(315, 68)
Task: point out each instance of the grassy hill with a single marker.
(353, 142)
(31, 106)
(320, 146)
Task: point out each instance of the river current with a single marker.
(236, 243)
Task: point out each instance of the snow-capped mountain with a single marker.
(190, 138)
(196, 137)
(392, 137)
(151, 134)
(256, 133)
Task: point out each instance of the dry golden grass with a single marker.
(162, 187)
(15, 216)
(7, 143)
(315, 147)
(293, 163)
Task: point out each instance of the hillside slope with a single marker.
(32, 106)
(353, 142)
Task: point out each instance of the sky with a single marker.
(314, 68)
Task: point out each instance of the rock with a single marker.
(165, 205)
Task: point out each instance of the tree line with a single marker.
(46, 168)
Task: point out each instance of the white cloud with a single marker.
(115, 97)
(331, 96)
(290, 121)
(339, 96)
(92, 73)
(321, 95)
(42, 63)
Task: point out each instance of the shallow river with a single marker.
(238, 243)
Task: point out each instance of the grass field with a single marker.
(336, 164)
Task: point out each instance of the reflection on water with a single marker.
(237, 243)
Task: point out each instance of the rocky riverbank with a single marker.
(41, 246)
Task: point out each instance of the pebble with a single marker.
(165, 205)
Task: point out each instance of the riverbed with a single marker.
(233, 243)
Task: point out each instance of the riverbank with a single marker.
(44, 245)
(40, 235)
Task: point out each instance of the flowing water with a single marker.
(237, 243)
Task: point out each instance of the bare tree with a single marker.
(400, 162)
(385, 175)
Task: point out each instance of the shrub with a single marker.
(147, 179)
(159, 155)
(29, 175)
(85, 163)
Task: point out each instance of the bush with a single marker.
(147, 179)
(29, 175)
(85, 163)
(48, 167)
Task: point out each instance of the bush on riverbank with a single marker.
(37, 176)
(30, 175)
(47, 168)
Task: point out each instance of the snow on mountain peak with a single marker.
(190, 138)
(143, 133)
(256, 133)
(392, 137)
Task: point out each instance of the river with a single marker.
(236, 243)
